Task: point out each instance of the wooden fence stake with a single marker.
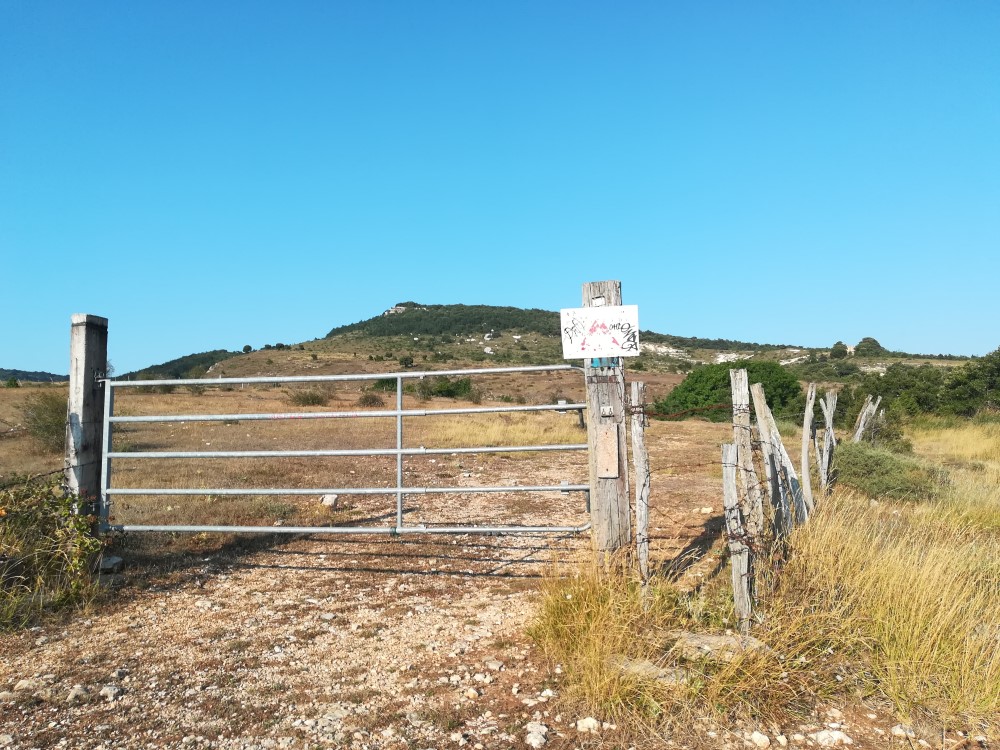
(829, 406)
(864, 417)
(739, 552)
(609, 490)
(785, 469)
(640, 464)
(807, 420)
(88, 355)
(752, 496)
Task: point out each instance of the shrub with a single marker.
(882, 473)
(445, 387)
(310, 396)
(314, 356)
(838, 350)
(387, 385)
(247, 349)
(869, 347)
(46, 550)
(11, 383)
(709, 385)
(44, 415)
(406, 361)
(371, 399)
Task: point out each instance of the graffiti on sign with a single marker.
(589, 332)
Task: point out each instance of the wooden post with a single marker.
(788, 480)
(752, 496)
(807, 420)
(739, 552)
(864, 416)
(829, 406)
(640, 464)
(609, 491)
(88, 353)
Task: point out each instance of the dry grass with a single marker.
(593, 621)
(896, 599)
(924, 596)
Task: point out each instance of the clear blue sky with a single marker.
(209, 175)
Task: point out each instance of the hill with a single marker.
(32, 376)
(189, 366)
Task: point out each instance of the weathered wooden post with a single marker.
(605, 380)
(807, 420)
(640, 462)
(752, 495)
(88, 354)
(739, 552)
(829, 405)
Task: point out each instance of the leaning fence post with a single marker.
(807, 420)
(739, 552)
(640, 463)
(88, 363)
(829, 405)
(605, 379)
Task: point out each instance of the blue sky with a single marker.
(209, 175)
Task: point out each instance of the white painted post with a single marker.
(609, 491)
(640, 466)
(739, 552)
(85, 408)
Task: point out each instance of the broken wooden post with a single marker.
(640, 464)
(788, 479)
(609, 491)
(752, 496)
(88, 363)
(807, 420)
(864, 417)
(829, 406)
(739, 551)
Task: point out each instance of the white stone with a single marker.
(79, 694)
(590, 725)
(760, 739)
(471, 694)
(329, 500)
(782, 740)
(830, 738)
(902, 731)
(111, 692)
(535, 740)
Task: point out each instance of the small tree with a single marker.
(247, 349)
(838, 350)
(406, 361)
(11, 383)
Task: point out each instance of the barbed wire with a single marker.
(35, 477)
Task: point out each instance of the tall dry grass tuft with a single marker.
(924, 596)
(617, 647)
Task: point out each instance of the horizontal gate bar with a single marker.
(351, 452)
(334, 378)
(345, 414)
(351, 529)
(344, 490)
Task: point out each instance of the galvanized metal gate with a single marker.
(400, 491)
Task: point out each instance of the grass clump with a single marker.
(884, 474)
(45, 549)
(923, 596)
(371, 400)
(310, 396)
(44, 416)
(617, 646)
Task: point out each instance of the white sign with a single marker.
(595, 332)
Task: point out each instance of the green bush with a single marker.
(371, 399)
(973, 387)
(44, 416)
(11, 383)
(386, 385)
(838, 350)
(310, 396)
(709, 385)
(445, 387)
(882, 473)
(46, 550)
(869, 347)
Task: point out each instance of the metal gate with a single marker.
(400, 491)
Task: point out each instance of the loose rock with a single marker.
(79, 694)
(760, 739)
(590, 725)
(831, 738)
